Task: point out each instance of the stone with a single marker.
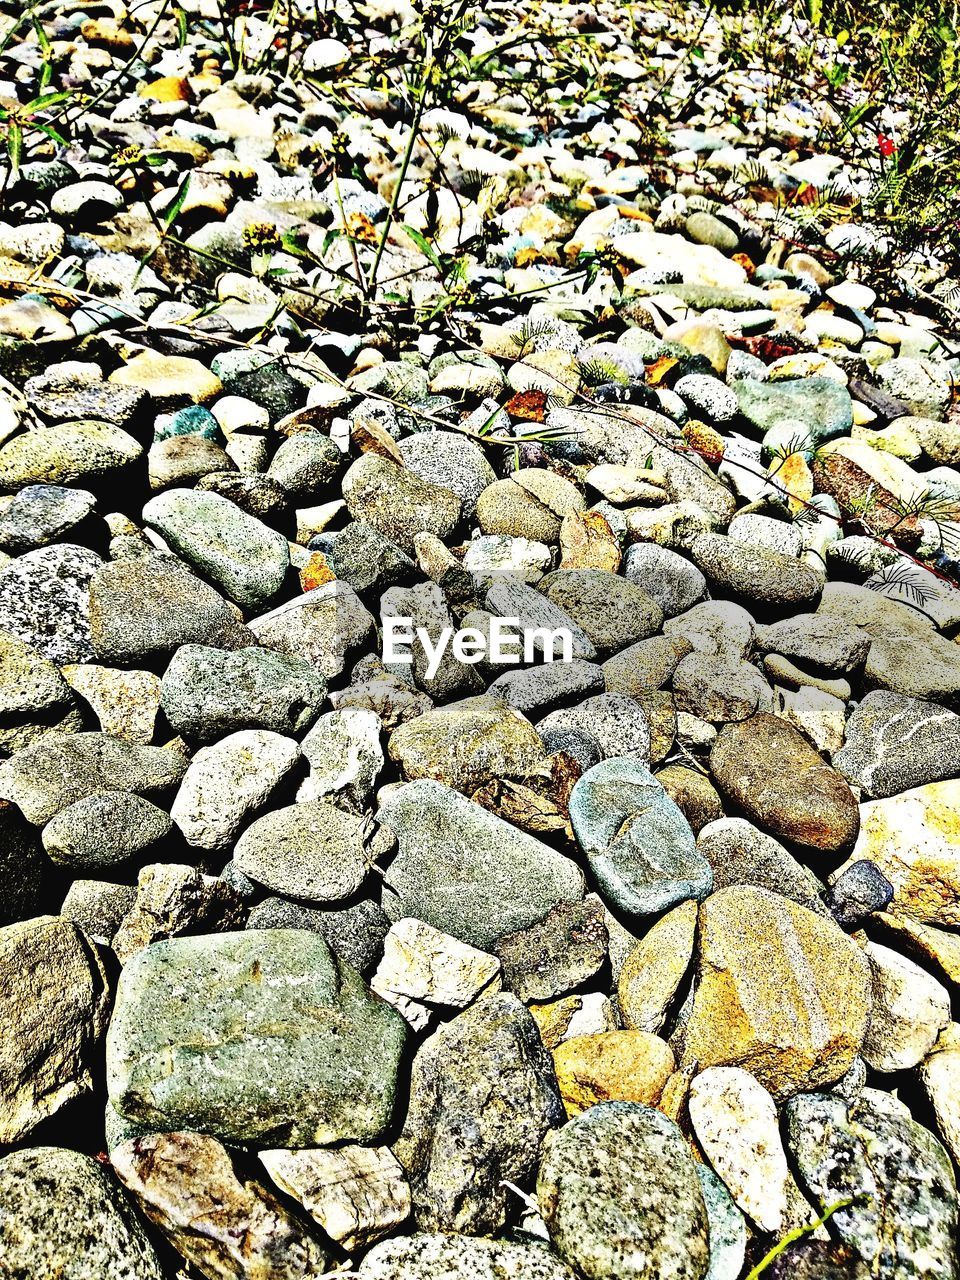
(208, 693)
(910, 1009)
(355, 933)
(820, 406)
(310, 850)
(345, 756)
(911, 839)
(740, 853)
(364, 558)
(323, 626)
(221, 1223)
(244, 557)
(426, 606)
(357, 1194)
(613, 1066)
(940, 1074)
(422, 1256)
(54, 998)
(735, 1121)
(104, 829)
(639, 845)
(465, 744)
(63, 1216)
(556, 954)
(170, 381)
(124, 702)
(42, 513)
(227, 780)
(903, 1219)
(783, 992)
(857, 893)
(578, 1015)
(765, 578)
(691, 791)
(769, 769)
(88, 451)
(728, 1231)
(317, 1062)
(34, 697)
(719, 687)
(64, 768)
(510, 598)
(467, 872)
(894, 744)
(644, 666)
(422, 967)
(451, 461)
(44, 600)
(615, 721)
(617, 1187)
(304, 465)
(482, 1097)
(397, 502)
(173, 899)
(655, 968)
(671, 579)
(714, 626)
(539, 688)
(152, 605)
(97, 907)
(613, 611)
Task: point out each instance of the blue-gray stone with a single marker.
(820, 407)
(641, 848)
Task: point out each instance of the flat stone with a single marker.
(655, 967)
(763, 577)
(244, 557)
(613, 611)
(170, 381)
(65, 453)
(640, 846)
(62, 1215)
(53, 1000)
(317, 1061)
(538, 689)
(103, 829)
(770, 770)
(422, 1256)
(556, 954)
(227, 780)
(895, 743)
(397, 502)
(423, 968)
(615, 721)
(323, 625)
(820, 405)
(310, 850)
(910, 1009)
(42, 513)
(465, 871)
(514, 599)
(355, 933)
(617, 1187)
(675, 583)
(739, 853)
(783, 992)
(223, 1225)
(482, 1097)
(44, 600)
(34, 697)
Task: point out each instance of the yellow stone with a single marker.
(924, 941)
(783, 992)
(914, 838)
(572, 1016)
(170, 380)
(703, 339)
(655, 968)
(615, 1066)
(588, 542)
(895, 439)
(795, 479)
(167, 89)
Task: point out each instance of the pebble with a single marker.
(103, 829)
(612, 1066)
(310, 850)
(44, 600)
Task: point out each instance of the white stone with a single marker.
(940, 1074)
(818, 714)
(422, 966)
(345, 755)
(910, 1009)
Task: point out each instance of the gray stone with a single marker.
(97, 907)
(728, 1230)
(355, 933)
(720, 688)
(316, 1064)
(70, 451)
(895, 743)
(618, 1188)
(34, 697)
(396, 502)
(541, 688)
(345, 756)
(739, 853)
(426, 606)
(858, 892)
(614, 720)
(557, 954)
(364, 558)
(62, 1217)
(511, 598)
(818, 640)
(903, 1219)
(668, 577)
(762, 577)
(715, 626)
(207, 693)
(305, 464)
(153, 604)
(641, 849)
(482, 1096)
(104, 829)
(613, 611)
(443, 1257)
(310, 850)
(819, 408)
(645, 666)
(242, 556)
(467, 872)
(42, 513)
(323, 625)
(45, 778)
(44, 600)
(450, 460)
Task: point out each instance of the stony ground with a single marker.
(640, 965)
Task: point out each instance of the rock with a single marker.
(397, 502)
(357, 1194)
(170, 381)
(857, 893)
(364, 558)
(910, 839)
(530, 504)
(903, 1218)
(54, 1005)
(644, 666)
(323, 626)
(762, 577)
(62, 1215)
(615, 721)
(618, 1186)
(466, 872)
(345, 756)
(451, 461)
(655, 967)
(152, 605)
(70, 451)
(715, 626)
(103, 829)
(174, 899)
(482, 1096)
(767, 767)
(222, 1224)
(613, 611)
(910, 1009)
(426, 607)
(97, 907)
(465, 744)
(124, 702)
(719, 687)
(317, 1062)
(690, 790)
(511, 598)
(208, 693)
(225, 781)
(735, 1121)
(422, 967)
(42, 513)
(640, 847)
(304, 465)
(675, 583)
(442, 1257)
(310, 850)
(556, 954)
(578, 1015)
(64, 768)
(782, 992)
(821, 641)
(923, 385)
(817, 409)
(34, 697)
(538, 688)
(614, 1066)
(355, 933)
(244, 557)
(741, 854)
(895, 743)
(940, 1074)
(44, 601)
